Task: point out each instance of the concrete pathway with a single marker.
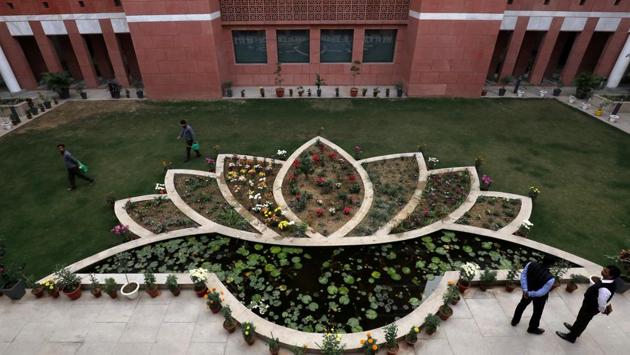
(183, 325)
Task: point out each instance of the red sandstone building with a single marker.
(188, 48)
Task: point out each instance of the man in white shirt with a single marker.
(596, 300)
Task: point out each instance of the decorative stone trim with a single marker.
(135, 227)
(522, 216)
(368, 192)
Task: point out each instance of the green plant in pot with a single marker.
(445, 311)
(412, 336)
(172, 285)
(229, 323)
(486, 279)
(139, 86)
(95, 288)
(319, 82)
(249, 331)
(355, 70)
(110, 287)
(58, 82)
(584, 83)
(399, 89)
(391, 335)
(80, 88)
(431, 323)
(69, 283)
(504, 81)
(114, 89)
(512, 275)
(558, 270)
(279, 80)
(199, 277)
(574, 280)
(274, 345)
(454, 292)
(214, 301)
(150, 284)
(12, 279)
(227, 88)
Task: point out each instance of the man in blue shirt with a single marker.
(536, 282)
(72, 165)
(189, 136)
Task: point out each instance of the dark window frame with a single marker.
(242, 61)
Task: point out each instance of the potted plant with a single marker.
(364, 92)
(512, 275)
(248, 329)
(574, 280)
(445, 311)
(150, 284)
(558, 270)
(331, 344)
(412, 336)
(399, 89)
(504, 81)
(69, 283)
(12, 280)
(227, 88)
(375, 91)
(58, 82)
(38, 290)
(274, 345)
(45, 100)
(262, 91)
(137, 84)
(319, 82)
(130, 290)
(127, 93)
(229, 323)
(51, 288)
(558, 89)
(368, 345)
(114, 89)
(391, 333)
(386, 92)
(454, 293)
(96, 286)
(355, 70)
(486, 279)
(199, 277)
(431, 323)
(110, 287)
(300, 91)
(336, 92)
(172, 285)
(466, 274)
(243, 93)
(80, 88)
(584, 83)
(279, 80)
(214, 301)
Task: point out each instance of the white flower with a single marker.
(332, 210)
(159, 187)
(469, 270)
(199, 274)
(281, 153)
(527, 224)
(433, 160)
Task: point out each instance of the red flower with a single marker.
(347, 210)
(296, 163)
(315, 158)
(426, 212)
(319, 212)
(352, 178)
(332, 155)
(291, 177)
(320, 181)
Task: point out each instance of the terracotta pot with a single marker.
(571, 286)
(74, 294)
(201, 292)
(279, 92)
(153, 292)
(555, 285)
(445, 312)
(455, 301)
(510, 286)
(175, 291)
(354, 92)
(113, 294)
(54, 293)
(215, 307)
(274, 351)
(38, 292)
(411, 342)
(230, 327)
(96, 292)
(250, 340)
(463, 285)
(430, 331)
(483, 286)
(392, 351)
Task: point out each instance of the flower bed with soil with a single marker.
(442, 194)
(251, 183)
(323, 189)
(203, 195)
(394, 181)
(158, 215)
(317, 288)
(491, 213)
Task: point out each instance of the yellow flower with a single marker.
(362, 341)
(416, 329)
(369, 334)
(451, 282)
(370, 340)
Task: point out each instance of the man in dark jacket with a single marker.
(596, 300)
(189, 136)
(536, 282)
(72, 165)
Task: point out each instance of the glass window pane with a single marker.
(335, 46)
(379, 46)
(293, 46)
(250, 46)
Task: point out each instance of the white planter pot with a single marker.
(572, 99)
(134, 287)
(520, 93)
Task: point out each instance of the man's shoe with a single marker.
(536, 331)
(186, 160)
(71, 189)
(568, 326)
(514, 323)
(565, 336)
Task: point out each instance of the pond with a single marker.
(316, 288)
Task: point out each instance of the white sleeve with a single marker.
(602, 298)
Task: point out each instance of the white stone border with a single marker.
(135, 227)
(368, 192)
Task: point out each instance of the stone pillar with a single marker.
(577, 51)
(514, 47)
(46, 48)
(7, 74)
(545, 51)
(113, 50)
(620, 66)
(82, 54)
(612, 49)
(17, 59)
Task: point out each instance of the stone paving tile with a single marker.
(460, 310)
(104, 332)
(514, 345)
(97, 348)
(116, 310)
(237, 345)
(140, 333)
(209, 329)
(16, 348)
(36, 332)
(206, 349)
(9, 329)
(185, 308)
(556, 313)
(547, 343)
(433, 346)
(475, 292)
(69, 348)
(608, 336)
(69, 332)
(490, 318)
(464, 337)
(508, 301)
(585, 345)
(133, 348)
(148, 313)
(3, 346)
(173, 338)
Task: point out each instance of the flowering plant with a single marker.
(50, 286)
(468, 271)
(331, 344)
(120, 229)
(211, 164)
(433, 162)
(486, 180)
(533, 192)
(214, 299)
(347, 210)
(285, 224)
(319, 212)
(369, 345)
(199, 277)
(160, 188)
(281, 154)
(332, 211)
(412, 335)
(525, 228)
(248, 329)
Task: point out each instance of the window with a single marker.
(250, 47)
(10, 5)
(617, 2)
(45, 4)
(335, 46)
(117, 3)
(293, 46)
(379, 46)
(81, 3)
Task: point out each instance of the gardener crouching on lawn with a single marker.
(72, 165)
(189, 136)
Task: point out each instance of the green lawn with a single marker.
(582, 166)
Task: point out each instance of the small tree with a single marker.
(355, 70)
(278, 74)
(584, 83)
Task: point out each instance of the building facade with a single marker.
(186, 49)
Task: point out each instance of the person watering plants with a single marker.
(188, 134)
(75, 168)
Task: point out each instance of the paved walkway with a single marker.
(183, 325)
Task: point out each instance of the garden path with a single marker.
(183, 325)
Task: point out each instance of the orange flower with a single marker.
(370, 340)
(362, 341)
(369, 334)
(213, 289)
(374, 347)
(451, 282)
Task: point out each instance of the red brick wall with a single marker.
(35, 7)
(568, 5)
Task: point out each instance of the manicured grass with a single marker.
(581, 166)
